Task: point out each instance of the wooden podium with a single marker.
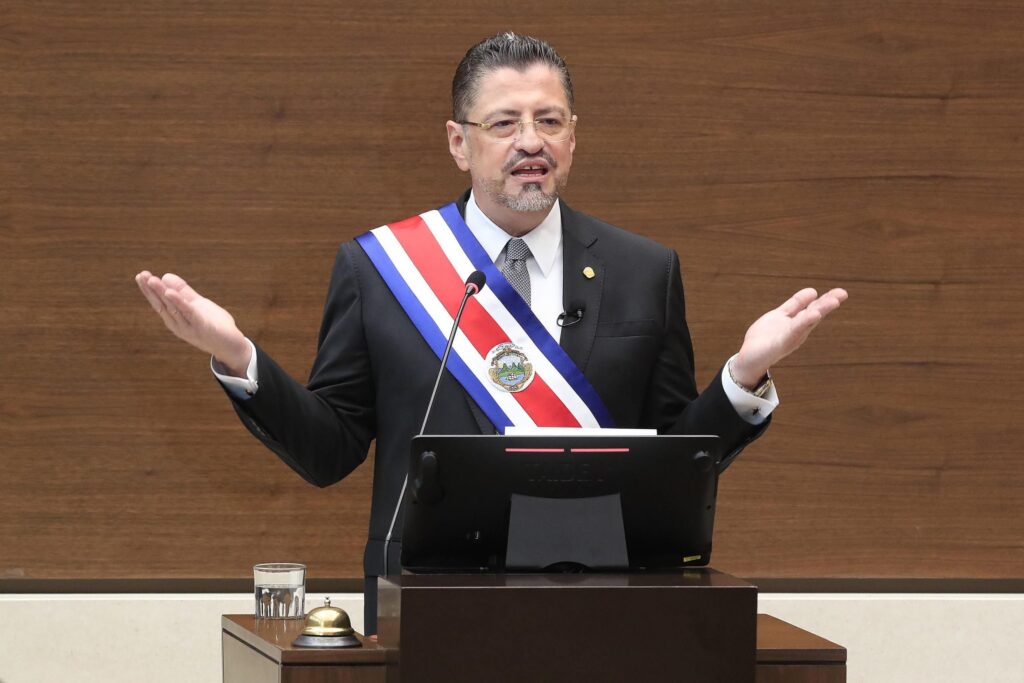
(697, 625)
(692, 625)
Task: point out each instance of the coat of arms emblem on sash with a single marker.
(510, 369)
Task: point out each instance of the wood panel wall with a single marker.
(875, 145)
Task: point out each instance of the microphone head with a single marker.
(572, 315)
(477, 280)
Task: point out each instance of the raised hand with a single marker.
(196, 320)
(781, 331)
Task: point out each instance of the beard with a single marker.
(531, 196)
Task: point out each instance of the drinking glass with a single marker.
(279, 590)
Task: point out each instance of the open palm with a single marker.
(781, 331)
(195, 319)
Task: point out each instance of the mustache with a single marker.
(522, 156)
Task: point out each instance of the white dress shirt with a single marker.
(545, 269)
(544, 264)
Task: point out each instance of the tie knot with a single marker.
(516, 250)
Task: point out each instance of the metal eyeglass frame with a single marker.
(570, 126)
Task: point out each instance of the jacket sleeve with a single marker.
(322, 430)
(673, 402)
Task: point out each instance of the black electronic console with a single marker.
(559, 503)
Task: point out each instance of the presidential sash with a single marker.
(502, 355)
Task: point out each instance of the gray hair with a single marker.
(503, 50)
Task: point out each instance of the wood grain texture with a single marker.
(873, 145)
(780, 641)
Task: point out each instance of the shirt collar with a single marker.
(544, 240)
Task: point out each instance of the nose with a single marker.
(527, 140)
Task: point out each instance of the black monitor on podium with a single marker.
(559, 502)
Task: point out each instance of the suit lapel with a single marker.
(578, 290)
(486, 426)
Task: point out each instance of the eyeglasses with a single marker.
(550, 128)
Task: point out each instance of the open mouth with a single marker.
(531, 172)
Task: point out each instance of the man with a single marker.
(595, 313)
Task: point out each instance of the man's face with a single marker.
(525, 172)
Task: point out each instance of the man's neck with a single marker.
(515, 223)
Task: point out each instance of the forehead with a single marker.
(508, 89)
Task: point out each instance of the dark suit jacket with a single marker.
(373, 372)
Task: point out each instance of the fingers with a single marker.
(781, 331)
(142, 280)
(839, 293)
(807, 319)
(808, 298)
(152, 284)
(157, 294)
(798, 301)
(169, 303)
(177, 284)
(829, 301)
(178, 306)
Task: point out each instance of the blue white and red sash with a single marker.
(502, 355)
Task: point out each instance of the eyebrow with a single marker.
(515, 112)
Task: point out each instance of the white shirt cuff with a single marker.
(752, 409)
(242, 388)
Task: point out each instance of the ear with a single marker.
(458, 145)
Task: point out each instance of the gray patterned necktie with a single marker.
(514, 269)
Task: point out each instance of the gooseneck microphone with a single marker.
(474, 283)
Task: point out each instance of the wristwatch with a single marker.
(762, 387)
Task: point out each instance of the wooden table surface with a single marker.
(273, 638)
(777, 642)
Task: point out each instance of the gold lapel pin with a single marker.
(589, 273)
